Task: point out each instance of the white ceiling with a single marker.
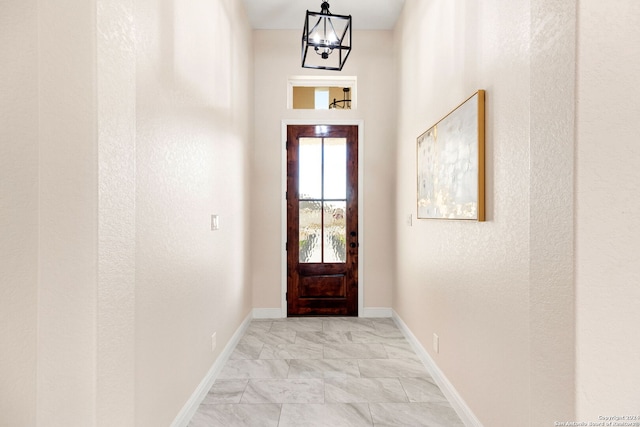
(290, 14)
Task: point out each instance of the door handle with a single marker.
(353, 245)
(353, 234)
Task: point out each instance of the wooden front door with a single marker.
(322, 220)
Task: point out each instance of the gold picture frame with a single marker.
(450, 164)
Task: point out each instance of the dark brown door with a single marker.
(322, 220)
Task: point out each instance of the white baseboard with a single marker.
(267, 313)
(458, 404)
(189, 409)
(377, 312)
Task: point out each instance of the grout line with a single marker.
(405, 390)
(280, 416)
(370, 413)
(246, 386)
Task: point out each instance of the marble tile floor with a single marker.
(324, 371)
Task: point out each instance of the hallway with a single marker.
(143, 198)
(324, 372)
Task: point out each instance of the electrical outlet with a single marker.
(215, 222)
(436, 343)
(213, 341)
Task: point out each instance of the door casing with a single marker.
(283, 207)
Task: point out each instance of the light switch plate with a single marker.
(215, 222)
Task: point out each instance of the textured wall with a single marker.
(122, 132)
(607, 221)
(193, 86)
(48, 213)
(476, 285)
(18, 212)
(115, 361)
(551, 211)
(277, 57)
(68, 190)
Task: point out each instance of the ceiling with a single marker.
(289, 14)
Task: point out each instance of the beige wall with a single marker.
(551, 210)
(115, 334)
(499, 293)
(193, 85)
(607, 204)
(117, 146)
(18, 212)
(68, 191)
(277, 57)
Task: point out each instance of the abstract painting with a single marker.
(451, 164)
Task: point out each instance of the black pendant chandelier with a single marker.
(326, 39)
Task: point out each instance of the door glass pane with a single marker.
(335, 231)
(310, 231)
(335, 168)
(310, 168)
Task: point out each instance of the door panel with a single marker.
(322, 220)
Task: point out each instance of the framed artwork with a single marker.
(451, 164)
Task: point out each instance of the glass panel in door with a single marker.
(322, 200)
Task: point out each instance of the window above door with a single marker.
(322, 92)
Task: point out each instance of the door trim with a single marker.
(283, 205)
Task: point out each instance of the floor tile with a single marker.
(304, 390)
(324, 371)
(347, 324)
(400, 350)
(384, 337)
(241, 369)
(354, 351)
(386, 325)
(292, 351)
(414, 414)
(236, 415)
(365, 390)
(324, 368)
(318, 337)
(247, 348)
(422, 389)
(259, 325)
(380, 368)
(385, 321)
(282, 336)
(327, 415)
(225, 391)
(297, 324)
